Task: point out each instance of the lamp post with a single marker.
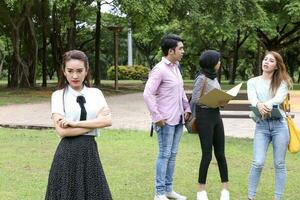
(129, 44)
(116, 30)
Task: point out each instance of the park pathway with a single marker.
(128, 112)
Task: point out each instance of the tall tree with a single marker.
(43, 16)
(56, 40)
(283, 27)
(71, 29)
(149, 21)
(244, 17)
(97, 70)
(19, 26)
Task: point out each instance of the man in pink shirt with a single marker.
(169, 108)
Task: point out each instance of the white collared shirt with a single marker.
(67, 106)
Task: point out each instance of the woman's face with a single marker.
(75, 73)
(269, 63)
(217, 67)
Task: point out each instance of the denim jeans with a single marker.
(168, 141)
(267, 131)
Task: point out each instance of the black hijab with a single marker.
(208, 60)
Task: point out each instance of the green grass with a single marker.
(128, 158)
(28, 95)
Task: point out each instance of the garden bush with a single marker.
(135, 72)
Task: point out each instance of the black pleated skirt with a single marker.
(76, 172)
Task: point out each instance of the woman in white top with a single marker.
(267, 92)
(77, 112)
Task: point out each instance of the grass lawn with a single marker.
(128, 159)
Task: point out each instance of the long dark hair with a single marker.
(280, 74)
(75, 55)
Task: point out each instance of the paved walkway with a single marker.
(128, 112)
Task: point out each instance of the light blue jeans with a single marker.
(168, 141)
(267, 131)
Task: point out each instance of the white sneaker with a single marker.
(202, 195)
(160, 197)
(224, 195)
(175, 195)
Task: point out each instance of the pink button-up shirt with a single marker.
(164, 93)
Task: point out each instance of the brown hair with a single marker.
(75, 55)
(280, 74)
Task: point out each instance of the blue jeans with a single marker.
(267, 131)
(168, 141)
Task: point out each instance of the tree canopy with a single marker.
(35, 33)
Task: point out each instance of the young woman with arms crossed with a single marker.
(77, 112)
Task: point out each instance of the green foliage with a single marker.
(293, 10)
(202, 24)
(3, 75)
(244, 69)
(135, 72)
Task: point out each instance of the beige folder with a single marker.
(216, 98)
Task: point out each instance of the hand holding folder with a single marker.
(275, 112)
(216, 98)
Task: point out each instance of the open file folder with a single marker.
(216, 98)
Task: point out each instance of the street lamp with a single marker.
(116, 30)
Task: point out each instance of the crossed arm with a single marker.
(68, 128)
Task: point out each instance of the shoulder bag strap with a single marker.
(203, 87)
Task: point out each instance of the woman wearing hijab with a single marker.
(209, 124)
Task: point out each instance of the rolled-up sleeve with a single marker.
(186, 105)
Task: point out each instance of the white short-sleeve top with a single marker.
(64, 103)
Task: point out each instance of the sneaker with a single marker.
(175, 195)
(202, 195)
(224, 195)
(160, 197)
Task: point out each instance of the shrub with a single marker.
(135, 72)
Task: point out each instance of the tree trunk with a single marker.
(1, 65)
(13, 81)
(23, 58)
(257, 68)
(7, 48)
(44, 38)
(219, 75)
(72, 30)
(226, 68)
(56, 46)
(32, 54)
(97, 75)
(235, 58)
(20, 71)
